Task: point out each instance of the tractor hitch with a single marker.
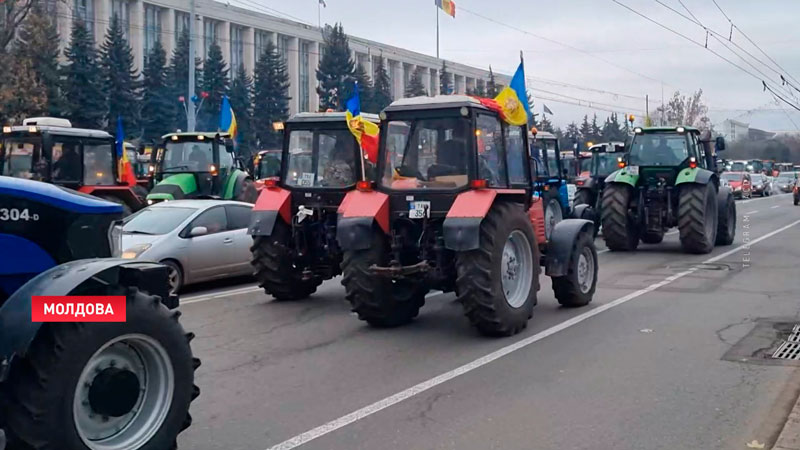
(397, 271)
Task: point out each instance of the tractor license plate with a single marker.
(633, 170)
(419, 210)
(307, 179)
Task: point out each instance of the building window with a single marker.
(181, 23)
(120, 9)
(209, 33)
(152, 27)
(434, 85)
(283, 48)
(237, 50)
(262, 38)
(304, 77)
(84, 11)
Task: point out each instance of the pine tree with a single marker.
(270, 96)
(365, 90)
(415, 87)
(532, 122)
(120, 81)
(158, 103)
(596, 131)
(38, 43)
(491, 86)
(480, 89)
(83, 89)
(242, 104)
(585, 129)
(445, 83)
(178, 79)
(381, 89)
(619, 130)
(216, 84)
(570, 137)
(336, 70)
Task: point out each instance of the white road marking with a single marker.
(605, 250)
(776, 206)
(380, 405)
(751, 212)
(742, 202)
(673, 232)
(219, 294)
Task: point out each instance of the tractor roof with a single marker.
(546, 135)
(304, 117)
(205, 134)
(668, 129)
(435, 102)
(56, 130)
(56, 196)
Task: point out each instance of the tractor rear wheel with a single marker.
(726, 224)
(104, 386)
(380, 301)
(697, 217)
(583, 197)
(619, 229)
(274, 268)
(497, 283)
(653, 237)
(577, 287)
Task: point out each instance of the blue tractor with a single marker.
(85, 386)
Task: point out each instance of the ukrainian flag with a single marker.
(227, 119)
(513, 99)
(366, 132)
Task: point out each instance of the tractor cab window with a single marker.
(515, 151)
(98, 163)
(658, 150)
(430, 153)
(190, 156)
(545, 150)
(269, 165)
(489, 138)
(603, 164)
(66, 162)
(321, 158)
(16, 157)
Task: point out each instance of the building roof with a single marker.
(545, 135)
(328, 117)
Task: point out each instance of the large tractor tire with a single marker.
(726, 222)
(104, 386)
(577, 287)
(619, 228)
(274, 269)
(248, 192)
(497, 283)
(379, 301)
(653, 237)
(697, 217)
(583, 197)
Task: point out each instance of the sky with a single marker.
(596, 50)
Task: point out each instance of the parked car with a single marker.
(761, 184)
(737, 166)
(199, 240)
(785, 181)
(740, 183)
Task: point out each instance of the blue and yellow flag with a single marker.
(227, 119)
(513, 99)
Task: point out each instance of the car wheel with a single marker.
(175, 276)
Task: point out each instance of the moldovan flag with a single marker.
(125, 169)
(227, 119)
(366, 132)
(513, 99)
(448, 6)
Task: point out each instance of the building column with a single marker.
(313, 63)
(167, 36)
(434, 85)
(397, 79)
(136, 11)
(471, 84)
(293, 56)
(425, 75)
(102, 19)
(249, 38)
(64, 25)
(224, 42)
(200, 38)
(370, 64)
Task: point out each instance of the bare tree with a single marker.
(12, 14)
(688, 110)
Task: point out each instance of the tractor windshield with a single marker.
(321, 158)
(98, 162)
(603, 164)
(16, 158)
(269, 165)
(738, 167)
(191, 156)
(658, 149)
(426, 154)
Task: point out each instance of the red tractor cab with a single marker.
(454, 209)
(51, 150)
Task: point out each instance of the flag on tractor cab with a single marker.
(366, 132)
(513, 99)
(124, 167)
(227, 119)
(448, 6)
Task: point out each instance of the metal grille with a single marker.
(795, 336)
(788, 350)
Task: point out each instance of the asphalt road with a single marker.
(668, 355)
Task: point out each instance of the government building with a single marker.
(243, 34)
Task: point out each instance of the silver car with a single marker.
(199, 240)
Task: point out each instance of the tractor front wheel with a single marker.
(726, 222)
(583, 197)
(697, 217)
(497, 283)
(274, 269)
(577, 287)
(109, 386)
(381, 302)
(620, 231)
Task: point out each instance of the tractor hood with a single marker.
(174, 187)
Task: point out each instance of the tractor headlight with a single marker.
(115, 238)
(135, 251)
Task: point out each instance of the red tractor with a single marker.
(293, 223)
(454, 209)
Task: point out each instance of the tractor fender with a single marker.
(234, 185)
(357, 213)
(174, 187)
(696, 175)
(272, 202)
(623, 176)
(562, 239)
(462, 226)
(17, 330)
(584, 211)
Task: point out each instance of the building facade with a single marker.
(242, 35)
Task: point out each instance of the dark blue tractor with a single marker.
(87, 386)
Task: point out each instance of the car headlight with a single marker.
(135, 251)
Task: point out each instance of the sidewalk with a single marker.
(789, 439)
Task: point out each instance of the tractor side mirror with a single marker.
(198, 231)
(228, 142)
(719, 144)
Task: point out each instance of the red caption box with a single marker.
(77, 308)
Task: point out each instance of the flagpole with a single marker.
(319, 14)
(437, 30)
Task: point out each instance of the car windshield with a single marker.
(738, 167)
(321, 158)
(427, 154)
(732, 176)
(192, 156)
(604, 164)
(156, 220)
(658, 149)
(16, 156)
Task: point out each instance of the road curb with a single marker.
(789, 439)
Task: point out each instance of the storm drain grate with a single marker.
(795, 335)
(788, 350)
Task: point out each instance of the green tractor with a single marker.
(199, 165)
(669, 177)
